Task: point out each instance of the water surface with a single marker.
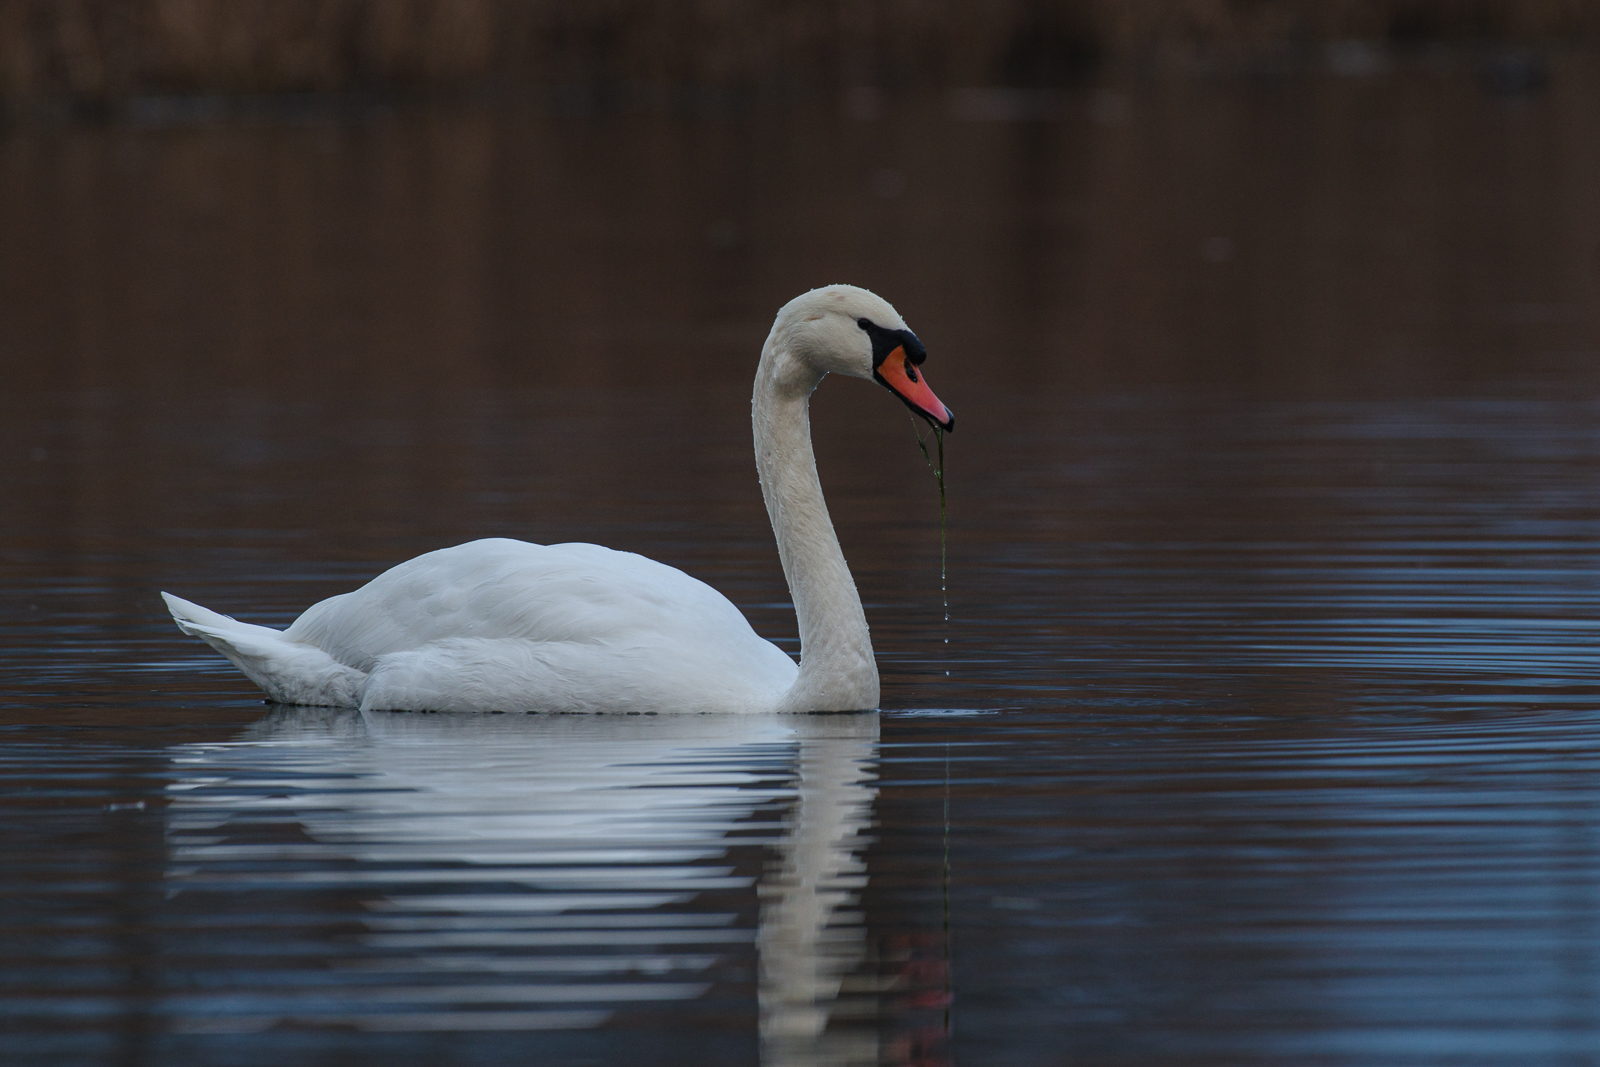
(1264, 728)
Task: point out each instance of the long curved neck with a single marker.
(837, 669)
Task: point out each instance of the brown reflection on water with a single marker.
(1304, 230)
(207, 293)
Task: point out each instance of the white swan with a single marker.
(502, 625)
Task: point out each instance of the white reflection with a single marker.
(809, 937)
(565, 868)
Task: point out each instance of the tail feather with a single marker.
(290, 672)
(191, 617)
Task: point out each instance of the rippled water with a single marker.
(1265, 727)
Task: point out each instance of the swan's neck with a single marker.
(837, 670)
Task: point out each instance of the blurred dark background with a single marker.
(99, 52)
(1311, 189)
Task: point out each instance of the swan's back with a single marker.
(509, 625)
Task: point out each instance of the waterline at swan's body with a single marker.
(503, 625)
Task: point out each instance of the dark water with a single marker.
(1265, 727)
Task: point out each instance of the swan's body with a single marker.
(502, 625)
(486, 625)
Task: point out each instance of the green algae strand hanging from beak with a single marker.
(938, 473)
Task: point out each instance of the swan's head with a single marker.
(841, 329)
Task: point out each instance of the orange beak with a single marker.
(901, 375)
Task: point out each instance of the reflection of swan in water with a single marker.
(816, 878)
(524, 872)
(501, 625)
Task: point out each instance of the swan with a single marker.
(504, 625)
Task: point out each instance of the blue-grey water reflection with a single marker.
(528, 872)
